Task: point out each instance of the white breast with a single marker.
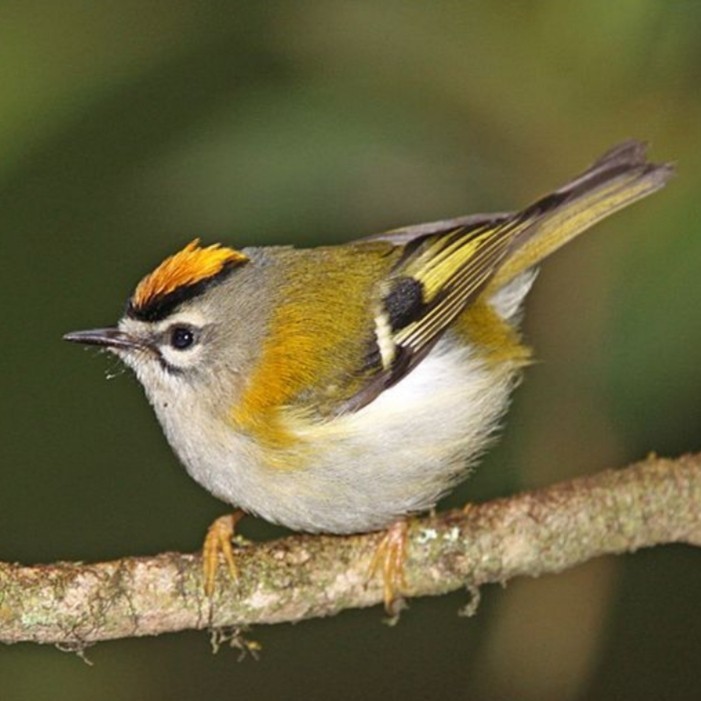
(364, 470)
(361, 471)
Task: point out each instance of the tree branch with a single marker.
(652, 502)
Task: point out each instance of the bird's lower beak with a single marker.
(110, 338)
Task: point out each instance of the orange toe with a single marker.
(388, 562)
(218, 540)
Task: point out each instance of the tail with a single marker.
(619, 178)
(445, 266)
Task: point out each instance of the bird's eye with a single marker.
(181, 337)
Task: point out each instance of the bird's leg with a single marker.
(218, 540)
(388, 562)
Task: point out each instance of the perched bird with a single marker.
(340, 389)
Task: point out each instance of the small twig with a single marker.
(74, 604)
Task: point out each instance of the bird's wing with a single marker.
(447, 265)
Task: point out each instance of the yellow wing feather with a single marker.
(455, 266)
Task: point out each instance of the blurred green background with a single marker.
(128, 128)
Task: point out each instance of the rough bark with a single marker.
(73, 604)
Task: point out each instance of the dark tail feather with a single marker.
(619, 178)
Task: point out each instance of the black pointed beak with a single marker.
(109, 338)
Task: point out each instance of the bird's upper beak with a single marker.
(110, 338)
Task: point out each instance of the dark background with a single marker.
(128, 128)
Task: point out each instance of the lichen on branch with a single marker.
(650, 503)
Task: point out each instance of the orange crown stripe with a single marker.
(183, 269)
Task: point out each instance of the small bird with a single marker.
(341, 389)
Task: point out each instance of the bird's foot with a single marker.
(388, 562)
(218, 540)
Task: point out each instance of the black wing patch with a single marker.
(405, 302)
(444, 266)
(437, 276)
